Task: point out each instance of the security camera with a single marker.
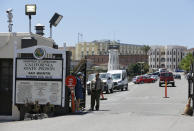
(9, 10)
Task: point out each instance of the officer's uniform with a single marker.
(95, 93)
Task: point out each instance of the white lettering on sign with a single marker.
(39, 69)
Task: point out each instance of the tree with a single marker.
(186, 62)
(146, 49)
(135, 69)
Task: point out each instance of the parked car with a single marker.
(120, 79)
(144, 79)
(166, 76)
(107, 82)
(156, 73)
(91, 78)
(177, 76)
(134, 79)
(155, 77)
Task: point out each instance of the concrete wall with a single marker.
(7, 41)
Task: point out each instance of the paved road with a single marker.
(142, 108)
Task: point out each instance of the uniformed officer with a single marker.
(95, 92)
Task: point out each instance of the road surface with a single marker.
(142, 108)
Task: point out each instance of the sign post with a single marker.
(71, 83)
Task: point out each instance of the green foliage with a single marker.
(146, 48)
(138, 69)
(186, 62)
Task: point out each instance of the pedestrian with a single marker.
(78, 91)
(95, 93)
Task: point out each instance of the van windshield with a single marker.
(91, 77)
(116, 76)
(103, 76)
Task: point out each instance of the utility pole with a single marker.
(80, 37)
(10, 17)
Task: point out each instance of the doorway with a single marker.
(6, 82)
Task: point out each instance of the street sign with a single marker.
(71, 81)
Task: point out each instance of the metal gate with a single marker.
(6, 78)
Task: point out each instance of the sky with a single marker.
(149, 22)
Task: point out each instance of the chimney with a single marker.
(39, 29)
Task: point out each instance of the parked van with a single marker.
(120, 79)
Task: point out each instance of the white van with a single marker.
(120, 79)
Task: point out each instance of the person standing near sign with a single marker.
(78, 91)
(95, 93)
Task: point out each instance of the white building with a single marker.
(83, 49)
(166, 56)
(7, 41)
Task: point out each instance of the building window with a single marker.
(168, 53)
(162, 59)
(82, 54)
(168, 59)
(174, 52)
(87, 52)
(174, 59)
(157, 60)
(92, 52)
(163, 53)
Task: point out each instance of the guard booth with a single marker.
(39, 78)
(190, 78)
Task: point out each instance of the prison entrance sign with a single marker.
(41, 78)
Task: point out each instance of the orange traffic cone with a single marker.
(102, 96)
(188, 110)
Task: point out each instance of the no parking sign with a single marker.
(71, 81)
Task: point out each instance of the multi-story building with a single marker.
(101, 48)
(191, 50)
(166, 56)
(124, 60)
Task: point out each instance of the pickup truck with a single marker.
(166, 76)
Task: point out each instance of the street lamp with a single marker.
(54, 21)
(30, 9)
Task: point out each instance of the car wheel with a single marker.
(142, 82)
(126, 88)
(173, 85)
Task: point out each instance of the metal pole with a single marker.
(189, 86)
(30, 23)
(51, 33)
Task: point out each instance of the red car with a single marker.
(144, 79)
(168, 77)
